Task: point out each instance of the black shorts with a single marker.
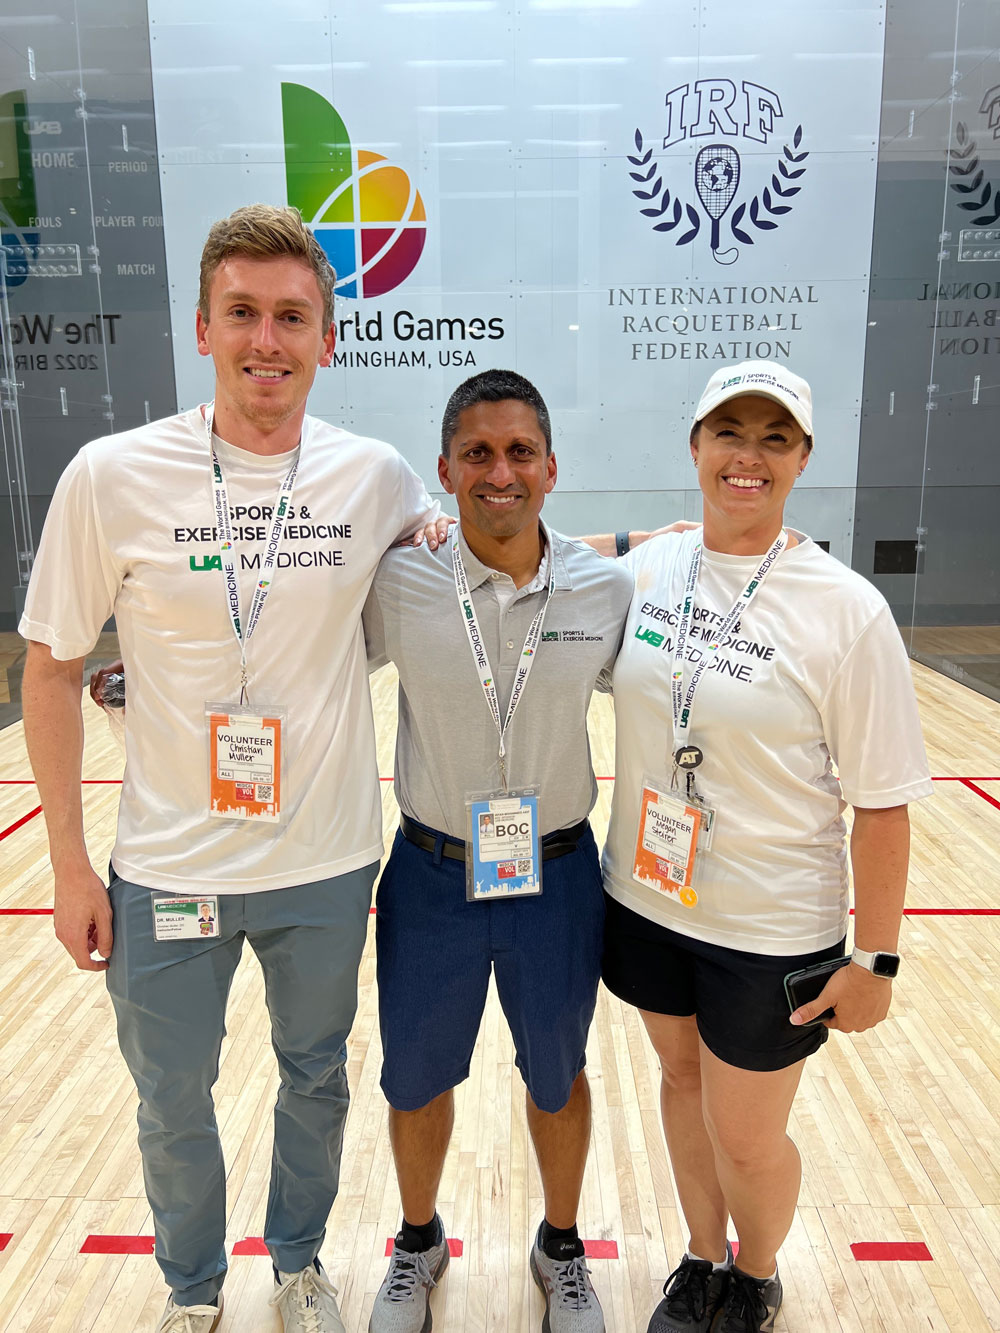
(738, 997)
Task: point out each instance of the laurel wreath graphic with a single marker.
(653, 175)
(970, 166)
(671, 214)
(783, 192)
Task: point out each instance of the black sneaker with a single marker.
(750, 1304)
(691, 1295)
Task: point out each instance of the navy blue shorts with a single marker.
(738, 997)
(434, 952)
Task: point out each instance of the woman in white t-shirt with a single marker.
(752, 663)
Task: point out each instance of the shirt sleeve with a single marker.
(74, 580)
(623, 596)
(416, 508)
(871, 722)
(374, 627)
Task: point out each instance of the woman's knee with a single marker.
(675, 1041)
(742, 1144)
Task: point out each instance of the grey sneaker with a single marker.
(750, 1304)
(307, 1301)
(402, 1304)
(571, 1304)
(190, 1318)
(691, 1296)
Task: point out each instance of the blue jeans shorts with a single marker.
(434, 954)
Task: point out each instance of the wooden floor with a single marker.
(898, 1128)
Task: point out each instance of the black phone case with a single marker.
(803, 986)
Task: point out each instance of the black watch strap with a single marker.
(622, 543)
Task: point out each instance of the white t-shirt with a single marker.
(814, 674)
(131, 531)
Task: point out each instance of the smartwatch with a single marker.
(878, 964)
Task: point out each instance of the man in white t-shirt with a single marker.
(217, 538)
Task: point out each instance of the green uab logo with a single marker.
(364, 211)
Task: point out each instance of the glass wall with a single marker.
(613, 198)
(85, 330)
(928, 510)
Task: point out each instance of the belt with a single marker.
(554, 844)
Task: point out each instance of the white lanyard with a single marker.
(682, 700)
(482, 662)
(268, 563)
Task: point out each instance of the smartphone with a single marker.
(803, 986)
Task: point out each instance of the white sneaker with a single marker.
(190, 1318)
(307, 1302)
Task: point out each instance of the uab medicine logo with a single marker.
(364, 211)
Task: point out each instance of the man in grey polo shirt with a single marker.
(462, 626)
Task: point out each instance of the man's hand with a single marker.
(82, 917)
(98, 678)
(859, 999)
(606, 543)
(435, 534)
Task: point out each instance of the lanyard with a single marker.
(689, 756)
(482, 662)
(269, 559)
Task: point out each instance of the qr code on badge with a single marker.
(264, 793)
(524, 867)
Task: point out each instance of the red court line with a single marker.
(19, 822)
(117, 782)
(888, 1251)
(968, 782)
(251, 1245)
(25, 911)
(455, 1247)
(5, 1239)
(600, 1249)
(117, 1245)
(948, 911)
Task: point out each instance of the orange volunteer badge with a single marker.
(244, 764)
(666, 845)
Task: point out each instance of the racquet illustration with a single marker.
(716, 179)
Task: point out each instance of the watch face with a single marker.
(885, 964)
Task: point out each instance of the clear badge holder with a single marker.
(246, 761)
(502, 846)
(667, 842)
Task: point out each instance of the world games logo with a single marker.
(364, 211)
(718, 110)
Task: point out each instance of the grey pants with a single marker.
(170, 1003)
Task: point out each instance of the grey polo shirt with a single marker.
(447, 745)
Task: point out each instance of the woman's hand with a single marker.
(435, 534)
(859, 1000)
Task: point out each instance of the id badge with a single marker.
(502, 849)
(185, 918)
(245, 757)
(667, 844)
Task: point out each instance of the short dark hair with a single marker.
(493, 386)
(264, 231)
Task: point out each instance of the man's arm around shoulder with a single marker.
(53, 729)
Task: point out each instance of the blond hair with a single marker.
(263, 231)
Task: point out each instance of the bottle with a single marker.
(113, 698)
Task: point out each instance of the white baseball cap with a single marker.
(766, 378)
